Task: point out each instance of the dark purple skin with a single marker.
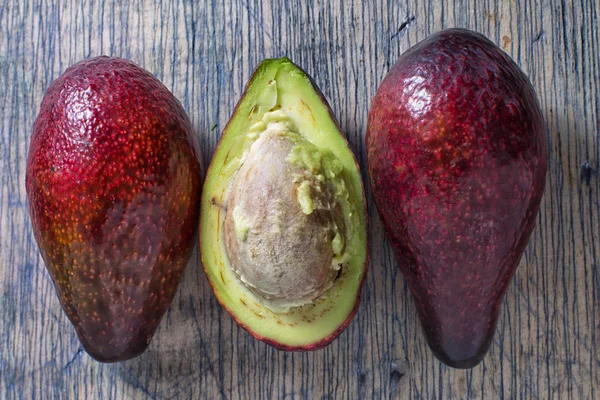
(113, 181)
(457, 157)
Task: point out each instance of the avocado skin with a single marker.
(457, 157)
(113, 182)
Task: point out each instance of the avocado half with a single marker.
(319, 169)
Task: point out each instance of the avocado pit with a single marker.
(284, 227)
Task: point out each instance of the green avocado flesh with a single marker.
(283, 224)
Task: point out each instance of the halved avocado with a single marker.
(283, 232)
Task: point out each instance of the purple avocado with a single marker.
(113, 182)
(457, 157)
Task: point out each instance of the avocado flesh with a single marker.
(283, 121)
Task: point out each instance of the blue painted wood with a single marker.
(548, 337)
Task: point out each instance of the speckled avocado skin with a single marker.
(113, 182)
(457, 156)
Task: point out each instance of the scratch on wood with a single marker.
(404, 26)
(70, 362)
(586, 172)
(539, 37)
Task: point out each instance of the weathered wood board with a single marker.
(548, 337)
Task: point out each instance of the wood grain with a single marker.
(548, 336)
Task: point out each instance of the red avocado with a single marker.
(457, 157)
(113, 182)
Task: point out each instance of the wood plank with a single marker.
(548, 337)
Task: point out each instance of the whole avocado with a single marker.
(113, 182)
(457, 155)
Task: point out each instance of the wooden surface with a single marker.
(548, 336)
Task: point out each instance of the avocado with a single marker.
(457, 157)
(113, 182)
(283, 231)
